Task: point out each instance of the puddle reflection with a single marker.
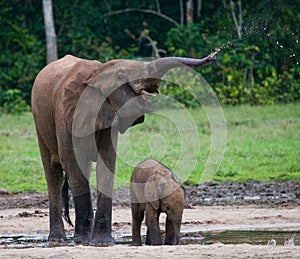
(280, 238)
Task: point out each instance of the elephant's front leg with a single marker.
(83, 218)
(154, 236)
(102, 223)
(106, 143)
(172, 231)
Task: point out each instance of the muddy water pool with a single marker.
(253, 237)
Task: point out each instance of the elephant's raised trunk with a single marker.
(147, 85)
(163, 65)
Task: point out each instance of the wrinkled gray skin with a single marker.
(155, 189)
(109, 97)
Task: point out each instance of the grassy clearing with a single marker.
(20, 163)
(263, 143)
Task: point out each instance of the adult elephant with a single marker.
(79, 106)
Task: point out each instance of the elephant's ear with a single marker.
(85, 108)
(160, 185)
(152, 190)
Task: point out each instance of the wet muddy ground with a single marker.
(271, 194)
(228, 220)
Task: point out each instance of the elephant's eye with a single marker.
(167, 207)
(121, 75)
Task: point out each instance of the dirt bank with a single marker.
(263, 194)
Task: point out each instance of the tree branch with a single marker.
(158, 6)
(153, 44)
(141, 11)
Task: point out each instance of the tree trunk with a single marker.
(237, 21)
(50, 31)
(189, 11)
(190, 20)
(181, 12)
(199, 8)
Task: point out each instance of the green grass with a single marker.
(262, 143)
(20, 163)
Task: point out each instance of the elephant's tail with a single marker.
(65, 198)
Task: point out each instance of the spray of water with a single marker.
(257, 28)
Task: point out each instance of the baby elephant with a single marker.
(155, 189)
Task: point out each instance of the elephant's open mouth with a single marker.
(146, 87)
(145, 93)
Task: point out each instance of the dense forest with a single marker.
(259, 42)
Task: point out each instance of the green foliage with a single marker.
(21, 56)
(183, 39)
(244, 72)
(14, 102)
(261, 67)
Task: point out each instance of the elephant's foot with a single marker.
(171, 241)
(57, 237)
(136, 243)
(136, 238)
(84, 219)
(154, 239)
(102, 234)
(102, 240)
(102, 223)
(82, 239)
(83, 233)
(155, 243)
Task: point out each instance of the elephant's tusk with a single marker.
(146, 93)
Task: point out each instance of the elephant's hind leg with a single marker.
(54, 178)
(82, 199)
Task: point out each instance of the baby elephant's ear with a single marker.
(87, 111)
(151, 191)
